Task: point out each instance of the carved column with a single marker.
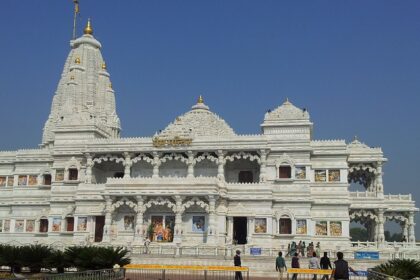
(127, 165)
(89, 166)
(263, 166)
(37, 224)
(108, 220)
(211, 229)
(378, 180)
(405, 230)
(275, 226)
(381, 235)
(250, 229)
(140, 230)
(230, 230)
(178, 219)
(411, 224)
(190, 164)
(156, 164)
(221, 165)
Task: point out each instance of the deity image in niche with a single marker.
(198, 223)
(59, 175)
(22, 180)
(320, 175)
(169, 228)
(30, 225)
(260, 225)
(335, 229)
(157, 224)
(301, 227)
(6, 226)
(2, 181)
(56, 224)
(19, 225)
(82, 224)
(33, 180)
(10, 181)
(321, 228)
(128, 222)
(334, 175)
(300, 172)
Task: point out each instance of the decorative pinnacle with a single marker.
(88, 29)
(200, 100)
(77, 60)
(104, 66)
(287, 101)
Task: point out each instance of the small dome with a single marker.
(200, 121)
(287, 111)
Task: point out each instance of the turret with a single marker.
(83, 106)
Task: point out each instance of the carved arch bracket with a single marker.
(243, 155)
(195, 201)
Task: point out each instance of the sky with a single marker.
(355, 66)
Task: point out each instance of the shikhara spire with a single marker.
(84, 101)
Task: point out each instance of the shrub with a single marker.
(11, 256)
(34, 257)
(401, 268)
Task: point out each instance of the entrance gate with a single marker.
(240, 232)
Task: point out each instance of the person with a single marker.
(280, 265)
(325, 264)
(237, 262)
(295, 264)
(146, 245)
(314, 264)
(341, 270)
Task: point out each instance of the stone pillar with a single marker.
(127, 165)
(178, 220)
(263, 166)
(411, 225)
(405, 230)
(375, 230)
(89, 166)
(108, 220)
(37, 224)
(230, 230)
(250, 229)
(63, 224)
(212, 228)
(156, 164)
(221, 165)
(140, 232)
(381, 235)
(275, 226)
(378, 180)
(190, 164)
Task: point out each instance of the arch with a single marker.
(243, 155)
(195, 201)
(204, 156)
(124, 201)
(108, 157)
(160, 201)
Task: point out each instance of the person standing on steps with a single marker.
(237, 262)
(280, 265)
(314, 264)
(341, 270)
(295, 264)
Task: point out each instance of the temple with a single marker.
(195, 183)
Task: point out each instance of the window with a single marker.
(43, 225)
(245, 177)
(118, 174)
(73, 174)
(285, 172)
(3, 180)
(47, 179)
(70, 223)
(285, 226)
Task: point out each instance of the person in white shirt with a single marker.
(314, 264)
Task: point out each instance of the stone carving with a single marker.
(124, 201)
(160, 201)
(243, 155)
(287, 111)
(195, 201)
(108, 158)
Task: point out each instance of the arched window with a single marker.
(73, 174)
(285, 225)
(69, 223)
(43, 225)
(47, 179)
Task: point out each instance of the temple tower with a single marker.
(83, 106)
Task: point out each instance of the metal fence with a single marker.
(184, 272)
(103, 274)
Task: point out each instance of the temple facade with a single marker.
(195, 182)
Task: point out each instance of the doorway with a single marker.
(99, 228)
(240, 229)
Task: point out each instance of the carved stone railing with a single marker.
(163, 180)
(362, 194)
(398, 197)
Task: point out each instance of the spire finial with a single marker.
(200, 100)
(287, 101)
(88, 29)
(356, 138)
(76, 12)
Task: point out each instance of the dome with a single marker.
(287, 111)
(198, 122)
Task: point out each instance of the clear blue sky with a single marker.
(354, 64)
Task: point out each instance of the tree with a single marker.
(358, 234)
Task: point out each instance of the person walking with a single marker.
(280, 265)
(325, 263)
(313, 264)
(341, 270)
(237, 262)
(295, 264)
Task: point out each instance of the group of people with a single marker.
(339, 272)
(302, 250)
